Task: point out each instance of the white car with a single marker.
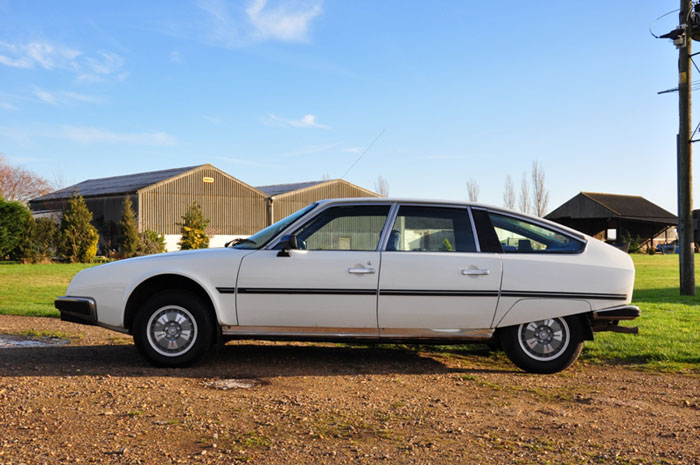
(380, 270)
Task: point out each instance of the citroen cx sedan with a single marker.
(382, 270)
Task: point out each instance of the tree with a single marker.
(540, 195)
(13, 225)
(193, 229)
(22, 185)
(129, 238)
(152, 242)
(524, 200)
(77, 237)
(381, 187)
(509, 194)
(473, 190)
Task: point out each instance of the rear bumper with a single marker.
(77, 309)
(608, 319)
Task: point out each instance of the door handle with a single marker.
(475, 272)
(361, 270)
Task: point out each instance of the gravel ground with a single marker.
(95, 400)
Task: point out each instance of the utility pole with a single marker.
(685, 155)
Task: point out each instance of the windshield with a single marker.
(260, 238)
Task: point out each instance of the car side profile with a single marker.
(382, 270)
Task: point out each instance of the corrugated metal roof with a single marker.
(126, 184)
(631, 207)
(277, 189)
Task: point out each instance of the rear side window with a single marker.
(431, 229)
(520, 236)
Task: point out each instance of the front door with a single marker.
(328, 284)
(432, 276)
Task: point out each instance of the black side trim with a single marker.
(266, 290)
(566, 295)
(226, 290)
(437, 293)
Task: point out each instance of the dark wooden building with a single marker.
(612, 217)
(285, 199)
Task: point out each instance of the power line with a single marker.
(363, 154)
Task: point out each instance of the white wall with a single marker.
(219, 240)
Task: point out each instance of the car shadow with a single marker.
(245, 360)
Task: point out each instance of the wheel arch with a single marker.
(162, 282)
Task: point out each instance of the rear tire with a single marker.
(544, 346)
(173, 329)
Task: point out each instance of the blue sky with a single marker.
(289, 91)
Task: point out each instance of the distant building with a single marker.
(160, 198)
(612, 217)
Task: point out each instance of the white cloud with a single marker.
(286, 21)
(306, 121)
(49, 56)
(8, 106)
(89, 135)
(175, 56)
(443, 157)
(65, 97)
(231, 25)
(352, 149)
(213, 120)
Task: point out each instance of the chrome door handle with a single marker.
(361, 270)
(475, 272)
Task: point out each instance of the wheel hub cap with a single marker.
(544, 340)
(172, 330)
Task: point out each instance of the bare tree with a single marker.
(326, 176)
(17, 183)
(473, 190)
(524, 200)
(381, 187)
(540, 195)
(509, 194)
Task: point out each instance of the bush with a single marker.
(193, 229)
(13, 224)
(129, 238)
(78, 237)
(38, 243)
(152, 242)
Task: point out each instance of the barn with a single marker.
(614, 217)
(285, 199)
(160, 198)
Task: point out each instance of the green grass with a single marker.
(669, 328)
(31, 289)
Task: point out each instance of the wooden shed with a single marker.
(285, 199)
(613, 217)
(160, 199)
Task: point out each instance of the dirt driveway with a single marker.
(96, 401)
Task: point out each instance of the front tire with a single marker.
(544, 346)
(173, 329)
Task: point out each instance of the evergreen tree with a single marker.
(78, 237)
(129, 238)
(193, 229)
(152, 242)
(13, 224)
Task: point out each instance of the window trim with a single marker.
(527, 219)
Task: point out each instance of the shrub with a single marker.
(13, 224)
(78, 237)
(193, 229)
(129, 238)
(152, 242)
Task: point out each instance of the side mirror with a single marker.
(288, 242)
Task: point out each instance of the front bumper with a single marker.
(77, 309)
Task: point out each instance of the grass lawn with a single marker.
(669, 329)
(31, 289)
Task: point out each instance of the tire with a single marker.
(544, 346)
(174, 329)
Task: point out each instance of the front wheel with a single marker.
(544, 346)
(173, 329)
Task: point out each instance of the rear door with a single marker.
(433, 276)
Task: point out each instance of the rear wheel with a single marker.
(543, 346)
(173, 329)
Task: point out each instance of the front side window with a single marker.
(356, 227)
(262, 237)
(520, 236)
(431, 229)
